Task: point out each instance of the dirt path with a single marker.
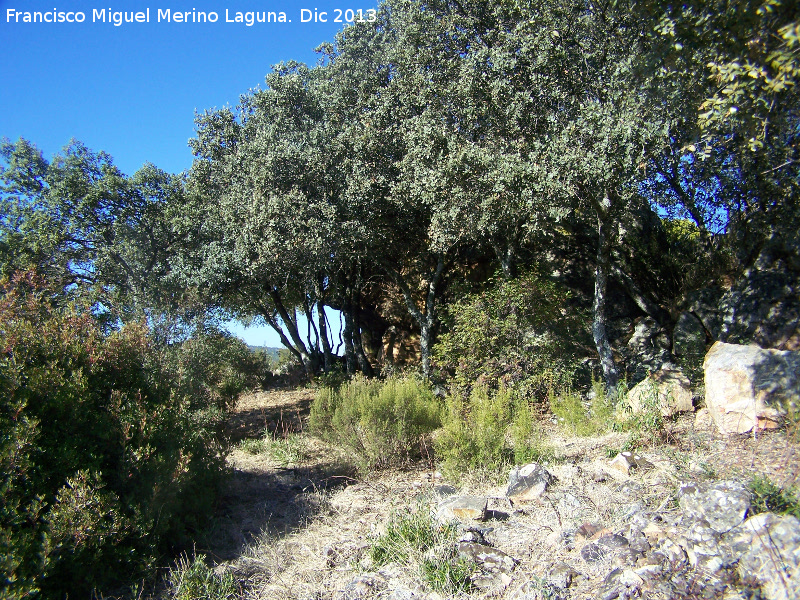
(295, 522)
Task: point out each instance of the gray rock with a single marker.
(647, 349)
(722, 504)
(362, 586)
(768, 547)
(668, 389)
(612, 540)
(593, 553)
(620, 583)
(748, 387)
(688, 336)
(528, 482)
(701, 544)
(561, 576)
(487, 558)
(462, 508)
(667, 553)
(627, 462)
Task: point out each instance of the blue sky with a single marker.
(132, 90)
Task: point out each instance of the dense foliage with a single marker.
(108, 460)
(613, 162)
(381, 423)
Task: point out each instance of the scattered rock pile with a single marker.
(708, 546)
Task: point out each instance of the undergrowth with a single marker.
(416, 539)
(382, 424)
(769, 497)
(192, 579)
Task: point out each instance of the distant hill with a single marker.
(272, 352)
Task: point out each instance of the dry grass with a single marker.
(303, 531)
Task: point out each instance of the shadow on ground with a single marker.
(277, 412)
(260, 497)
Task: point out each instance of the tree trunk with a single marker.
(327, 357)
(363, 362)
(427, 320)
(599, 307)
(300, 348)
(347, 335)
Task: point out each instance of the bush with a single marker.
(572, 415)
(214, 367)
(518, 334)
(487, 432)
(382, 423)
(768, 497)
(104, 464)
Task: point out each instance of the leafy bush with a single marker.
(382, 423)
(487, 432)
(518, 334)
(214, 367)
(104, 463)
(769, 497)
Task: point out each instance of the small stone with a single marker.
(362, 586)
(653, 532)
(592, 553)
(462, 508)
(587, 530)
(613, 540)
(443, 491)
(626, 462)
(528, 483)
(330, 555)
(561, 575)
(703, 419)
(487, 558)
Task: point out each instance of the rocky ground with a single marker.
(296, 522)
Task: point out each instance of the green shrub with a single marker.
(581, 420)
(519, 334)
(105, 465)
(381, 423)
(487, 432)
(768, 497)
(215, 367)
(414, 539)
(194, 580)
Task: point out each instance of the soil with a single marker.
(296, 521)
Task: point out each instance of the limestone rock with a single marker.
(462, 508)
(769, 549)
(487, 558)
(747, 386)
(722, 504)
(362, 586)
(668, 387)
(626, 462)
(592, 553)
(703, 419)
(561, 576)
(528, 482)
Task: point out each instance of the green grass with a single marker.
(768, 497)
(412, 538)
(286, 451)
(194, 580)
